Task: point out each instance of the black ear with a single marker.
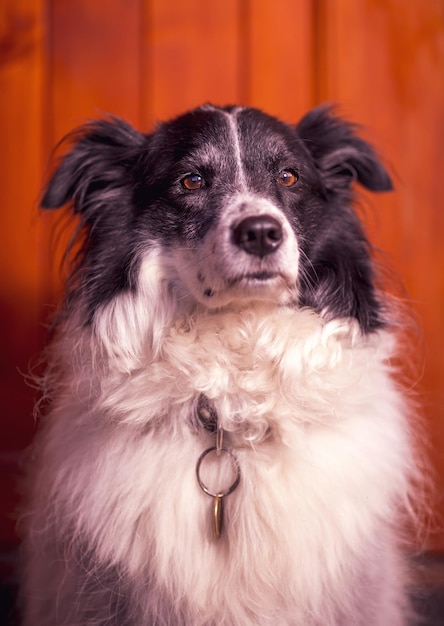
(340, 155)
(98, 163)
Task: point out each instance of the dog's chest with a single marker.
(260, 366)
(304, 404)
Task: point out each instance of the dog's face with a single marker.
(242, 206)
(237, 191)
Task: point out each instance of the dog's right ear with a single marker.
(97, 166)
(339, 153)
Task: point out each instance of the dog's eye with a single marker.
(287, 178)
(192, 182)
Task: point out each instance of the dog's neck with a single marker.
(256, 367)
(206, 420)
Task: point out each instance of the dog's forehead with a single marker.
(210, 134)
(198, 128)
(259, 130)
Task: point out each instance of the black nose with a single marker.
(259, 235)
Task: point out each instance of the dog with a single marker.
(226, 442)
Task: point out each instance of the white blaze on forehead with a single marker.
(234, 132)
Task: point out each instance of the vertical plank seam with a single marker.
(318, 51)
(144, 75)
(46, 224)
(244, 47)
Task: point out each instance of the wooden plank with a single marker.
(94, 69)
(21, 79)
(191, 55)
(280, 76)
(385, 62)
(95, 61)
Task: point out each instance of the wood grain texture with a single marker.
(192, 55)
(21, 105)
(278, 43)
(95, 61)
(22, 35)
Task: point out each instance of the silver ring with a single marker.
(234, 463)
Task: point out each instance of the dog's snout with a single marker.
(258, 234)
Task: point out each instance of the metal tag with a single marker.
(218, 513)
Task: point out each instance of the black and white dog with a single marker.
(226, 444)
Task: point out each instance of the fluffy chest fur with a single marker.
(319, 432)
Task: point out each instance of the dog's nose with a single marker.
(258, 234)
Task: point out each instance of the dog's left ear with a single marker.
(96, 168)
(341, 156)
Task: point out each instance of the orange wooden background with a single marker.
(64, 61)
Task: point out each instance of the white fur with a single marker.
(317, 424)
(232, 121)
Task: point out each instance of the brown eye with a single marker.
(287, 178)
(192, 182)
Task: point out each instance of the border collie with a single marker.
(226, 443)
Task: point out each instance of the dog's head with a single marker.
(239, 207)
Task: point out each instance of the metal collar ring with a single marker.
(234, 463)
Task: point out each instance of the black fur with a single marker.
(125, 187)
(339, 276)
